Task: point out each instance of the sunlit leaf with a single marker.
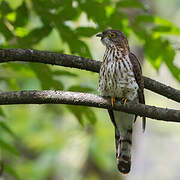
(21, 32)
(11, 16)
(109, 10)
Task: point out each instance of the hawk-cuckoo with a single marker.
(120, 77)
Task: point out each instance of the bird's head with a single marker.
(112, 37)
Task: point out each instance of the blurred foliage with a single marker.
(34, 140)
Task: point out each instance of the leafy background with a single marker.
(74, 142)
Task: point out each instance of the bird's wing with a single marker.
(117, 135)
(140, 81)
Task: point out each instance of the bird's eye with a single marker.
(111, 35)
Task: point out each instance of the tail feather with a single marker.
(123, 151)
(124, 156)
(123, 124)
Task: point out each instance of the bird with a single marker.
(120, 78)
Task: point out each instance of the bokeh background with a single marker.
(63, 142)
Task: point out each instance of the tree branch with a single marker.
(29, 55)
(86, 99)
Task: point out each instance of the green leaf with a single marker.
(5, 31)
(145, 18)
(11, 171)
(11, 16)
(81, 48)
(82, 113)
(78, 112)
(130, 4)
(86, 31)
(175, 71)
(35, 36)
(140, 32)
(2, 112)
(47, 5)
(68, 11)
(161, 25)
(95, 11)
(64, 73)
(76, 45)
(4, 7)
(79, 88)
(158, 50)
(44, 74)
(90, 115)
(154, 51)
(119, 20)
(8, 147)
(12, 83)
(21, 32)
(166, 29)
(169, 55)
(7, 129)
(21, 15)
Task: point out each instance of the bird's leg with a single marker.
(112, 101)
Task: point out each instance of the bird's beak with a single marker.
(99, 35)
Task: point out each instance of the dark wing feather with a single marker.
(140, 81)
(111, 114)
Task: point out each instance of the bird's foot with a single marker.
(124, 100)
(112, 101)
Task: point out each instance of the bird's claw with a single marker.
(112, 101)
(124, 100)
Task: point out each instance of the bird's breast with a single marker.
(117, 78)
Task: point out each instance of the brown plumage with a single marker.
(139, 79)
(121, 77)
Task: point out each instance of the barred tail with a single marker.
(123, 124)
(123, 153)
